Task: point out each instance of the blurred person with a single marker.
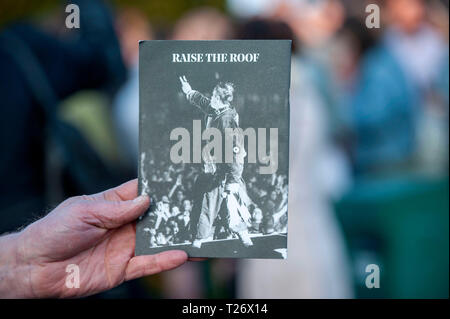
(38, 71)
(250, 8)
(169, 233)
(101, 232)
(177, 236)
(161, 239)
(183, 220)
(421, 50)
(166, 177)
(438, 16)
(161, 215)
(280, 215)
(418, 47)
(313, 22)
(390, 104)
(317, 265)
(187, 206)
(267, 222)
(401, 135)
(132, 26)
(349, 47)
(152, 239)
(152, 236)
(202, 24)
(179, 198)
(175, 211)
(257, 217)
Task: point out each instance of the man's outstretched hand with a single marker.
(185, 86)
(96, 233)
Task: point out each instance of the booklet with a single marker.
(214, 147)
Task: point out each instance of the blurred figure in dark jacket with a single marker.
(33, 64)
(391, 106)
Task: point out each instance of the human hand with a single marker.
(185, 86)
(96, 233)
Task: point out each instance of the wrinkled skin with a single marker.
(95, 232)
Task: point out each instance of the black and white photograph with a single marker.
(214, 147)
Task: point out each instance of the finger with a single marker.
(113, 214)
(181, 80)
(140, 266)
(126, 191)
(184, 77)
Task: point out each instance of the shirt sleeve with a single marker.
(199, 100)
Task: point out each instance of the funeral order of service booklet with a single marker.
(214, 147)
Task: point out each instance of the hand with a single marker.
(96, 233)
(185, 86)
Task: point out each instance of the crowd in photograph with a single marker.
(171, 188)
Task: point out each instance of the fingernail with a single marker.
(140, 199)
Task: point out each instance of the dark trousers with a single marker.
(210, 204)
(206, 205)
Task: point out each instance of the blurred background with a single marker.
(369, 134)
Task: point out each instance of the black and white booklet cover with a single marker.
(214, 147)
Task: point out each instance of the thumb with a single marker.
(113, 214)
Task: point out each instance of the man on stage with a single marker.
(220, 188)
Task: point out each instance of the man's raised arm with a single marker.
(194, 97)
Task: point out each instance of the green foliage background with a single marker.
(161, 13)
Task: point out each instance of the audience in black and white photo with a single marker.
(171, 186)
